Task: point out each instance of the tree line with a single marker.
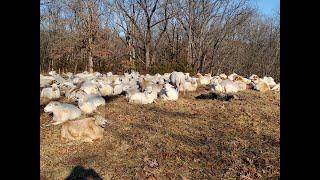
(157, 36)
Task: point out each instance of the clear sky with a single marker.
(267, 7)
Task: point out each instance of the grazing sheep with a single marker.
(145, 97)
(87, 129)
(62, 112)
(88, 104)
(178, 79)
(50, 92)
(169, 93)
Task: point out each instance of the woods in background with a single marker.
(157, 36)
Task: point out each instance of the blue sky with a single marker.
(267, 7)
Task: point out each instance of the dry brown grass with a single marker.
(187, 139)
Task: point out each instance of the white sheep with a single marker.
(276, 87)
(146, 97)
(130, 91)
(90, 88)
(204, 80)
(65, 87)
(226, 86)
(89, 103)
(253, 77)
(260, 85)
(178, 79)
(50, 92)
(232, 76)
(215, 79)
(87, 129)
(46, 81)
(270, 81)
(62, 112)
(169, 93)
(105, 89)
(191, 84)
(223, 76)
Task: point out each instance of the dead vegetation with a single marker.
(187, 139)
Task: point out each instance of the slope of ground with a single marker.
(188, 139)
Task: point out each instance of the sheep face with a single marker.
(51, 106)
(223, 76)
(254, 77)
(100, 121)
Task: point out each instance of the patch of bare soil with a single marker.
(188, 139)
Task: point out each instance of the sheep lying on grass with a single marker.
(90, 88)
(62, 112)
(276, 87)
(146, 97)
(260, 85)
(226, 86)
(87, 129)
(270, 81)
(191, 84)
(204, 80)
(89, 103)
(169, 93)
(50, 92)
(105, 89)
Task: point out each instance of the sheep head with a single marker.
(100, 121)
(51, 106)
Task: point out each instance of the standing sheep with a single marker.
(178, 79)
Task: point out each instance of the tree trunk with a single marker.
(90, 56)
(147, 56)
(191, 6)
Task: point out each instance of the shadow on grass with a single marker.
(218, 96)
(80, 173)
(111, 98)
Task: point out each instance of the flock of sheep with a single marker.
(87, 91)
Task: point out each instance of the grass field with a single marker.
(187, 139)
